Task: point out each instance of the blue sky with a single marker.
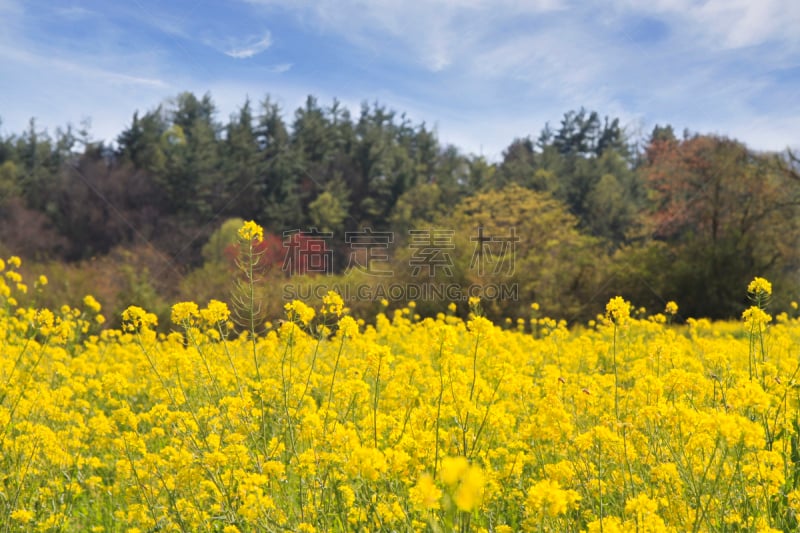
(482, 72)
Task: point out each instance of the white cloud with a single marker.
(482, 72)
(437, 33)
(728, 24)
(76, 68)
(74, 12)
(280, 68)
(252, 48)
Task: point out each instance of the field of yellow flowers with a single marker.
(323, 423)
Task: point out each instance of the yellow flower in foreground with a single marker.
(609, 524)
(215, 312)
(793, 499)
(469, 494)
(15, 261)
(45, 320)
(453, 468)
(425, 495)
(251, 231)
(90, 302)
(348, 327)
(547, 498)
(755, 316)
(760, 287)
(135, 318)
(184, 312)
(643, 508)
(23, 516)
(671, 308)
(299, 310)
(332, 304)
(618, 310)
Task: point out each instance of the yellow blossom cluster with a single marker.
(618, 310)
(400, 423)
(184, 313)
(760, 286)
(297, 310)
(250, 231)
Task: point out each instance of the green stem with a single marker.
(616, 375)
(330, 389)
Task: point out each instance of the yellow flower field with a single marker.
(322, 423)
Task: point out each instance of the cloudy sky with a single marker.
(482, 72)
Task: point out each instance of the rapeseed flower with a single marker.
(469, 494)
(135, 318)
(618, 311)
(609, 524)
(250, 231)
(759, 287)
(397, 423)
(453, 469)
(45, 320)
(755, 316)
(332, 304)
(23, 516)
(547, 498)
(643, 508)
(91, 303)
(215, 312)
(300, 311)
(184, 313)
(348, 326)
(425, 495)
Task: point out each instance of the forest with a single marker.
(569, 217)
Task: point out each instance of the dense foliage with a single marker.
(655, 219)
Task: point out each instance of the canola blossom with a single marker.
(760, 286)
(251, 231)
(324, 423)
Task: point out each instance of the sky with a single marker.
(481, 72)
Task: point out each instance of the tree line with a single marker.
(689, 218)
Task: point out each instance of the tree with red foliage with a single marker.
(297, 253)
(727, 213)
